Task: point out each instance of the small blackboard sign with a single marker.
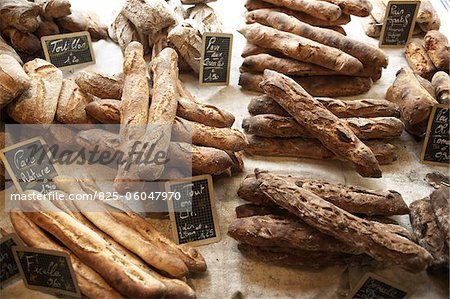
(399, 23)
(373, 286)
(215, 62)
(436, 147)
(193, 216)
(30, 165)
(68, 50)
(8, 267)
(47, 271)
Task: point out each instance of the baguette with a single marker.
(250, 210)
(105, 111)
(327, 127)
(375, 239)
(365, 53)
(20, 14)
(318, 9)
(359, 8)
(437, 47)
(99, 85)
(301, 48)
(38, 104)
(72, 103)
(440, 204)
(301, 16)
(419, 61)
(91, 283)
(429, 236)
(123, 32)
(286, 232)
(311, 149)
(353, 199)
(13, 80)
(441, 84)
(187, 40)
(54, 8)
(82, 21)
(270, 125)
(23, 41)
(149, 16)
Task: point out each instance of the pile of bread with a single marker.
(23, 23)
(115, 253)
(428, 57)
(427, 18)
(157, 24)
(289, 122)
(416, 96)
(297, 38)
(313, 223)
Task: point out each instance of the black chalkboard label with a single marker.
(436, 147)
(8, 267)
(216, 58)
(373, 286)
(68, 50)
(30, 165)
(193, 216)
(399, 23)
(47, 270)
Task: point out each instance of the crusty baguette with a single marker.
(426, 229)
(365, 53)
(187, 40)
(318, 120)
(440, 204)
(360, 8)
(99, 85)
(285, 231)
(72, 103)
(441, 84)
(105, 111)
(437, 47)
(91, 283)
(418, 60)
(375, 239)
(303, 258)
(149, 16)
(23, 41)
(353, 199)
(318, 9)
(301, 48)
(301, 16)
(54, 8)
(83, 21)
(123, 32)
(414, 100)
(38, 104)
(250, 209)
(20, 14)
(385, 153)
(271, 125)
(13, 80)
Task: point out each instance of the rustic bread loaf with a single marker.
(13, 80)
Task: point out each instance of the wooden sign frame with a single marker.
(18, 242)
(413, 22)
(368, 275)
(230, 52)
(17, 145)
(212, 201)
(427, 136)
(68, 35)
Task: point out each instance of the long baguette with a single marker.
(285, 231)
(364, 52)
(301, 48)
(321, 10)
(105, 111)
(99, 85)
(91, 283)
(353, 199)
(375, 239)
(251, 209)
(270, 125)
(334, 134)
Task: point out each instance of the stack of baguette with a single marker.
(323, 61)
(312, 223)
(23, 23)
(427, 18)
(289, 122)
(416, 97)
(161, 23)
(434, 55)
(129, 259)
(431, 225)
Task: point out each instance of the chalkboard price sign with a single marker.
(373, 286)
(68, 50)
(216, 58)
(194, 216)
(47, 270)
(8, 267)
(398, 23)
(436, 147)
(30, 165)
